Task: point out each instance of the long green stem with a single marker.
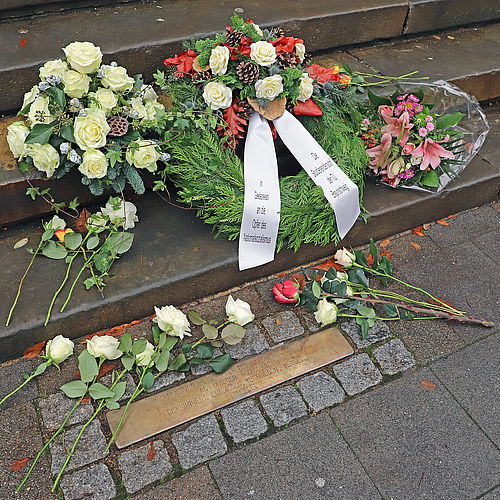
(382, 319)
(31, 377)
(48, 443)
(21, 283)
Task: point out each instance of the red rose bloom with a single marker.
(286, 292)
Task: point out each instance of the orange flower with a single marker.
(61, 233)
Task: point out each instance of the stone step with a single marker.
(175, 258)
(141, 35)
(473, 66)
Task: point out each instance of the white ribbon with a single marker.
(260, 223)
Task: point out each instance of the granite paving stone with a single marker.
(357, 374)
(418, 443)
(199, 442)
(166, 379)
(195, 485)
(203, 369)
(378, 332)
(129, 388)
(253, 343)
(309, 321)
(138, 470)
(320, 391)
(89, 449)
(265, 290)
(393, 357)
(492, 495)
(283, 326)
(308, 460)
(283, 405)
(20, 438)
(55, 408)
(93, 482)
(244, 421)
(11, 377)
(473, 377)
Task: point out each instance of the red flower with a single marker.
(183, 61)
(285, 44)
(322, 74)
(244, 46)
(233, 51)
(286, 292)
(308, 108)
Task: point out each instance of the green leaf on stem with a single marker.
(391, 310)
(87, 365)
(316, 289)
(357, 276)
(120, 242)
(177, 362)
(100, 391)
(449, 120)
(119, 390)
(373, 252)
(331, 274)
(221, 363)
(363, 323)
(40, 369)
(186, 366)
(139, 346)
(92, 242)
(195, 318)
(210, 331)
(75, 389)
(112, 404)
(232, 334)
(360, 258)
(39, 134)
(54, 250)
(125, 342)
(205, 351)
(162, 361)
(376, 100)
(72, 240)
(430, 179)
(170, 343)
(58, 97)
(186, 348)
(405, 315)
(128, 362)
(367, 312)
(196, 361)
(148, 380)
(156, 334)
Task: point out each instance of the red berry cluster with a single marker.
(369, 137)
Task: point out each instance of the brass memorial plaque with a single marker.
(172, 407)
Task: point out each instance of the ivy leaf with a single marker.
(221, 363)
(391, 310)
(75, 389)
(205, 351)
(100, 391)
(39, 134)
(232, 334)
(430, 179)
(87, 365)
(67, 133)
(58, 97)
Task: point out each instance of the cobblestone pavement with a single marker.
(413, 413)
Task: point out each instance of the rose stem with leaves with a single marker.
(82, 430)
(136, 392)
(204, 338)
(64, 281)
(35, 373)
(21, 282)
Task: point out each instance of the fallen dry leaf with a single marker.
(450, 37)
(436, 303)
(416, 246)
(329, 263)
(281, 274)
(426, 226)
(20, 243)
(19, 463)
(34, 350)
(451, 216)
(151, 451)
(427, 384)
(23, 41)
(418, 231)
(279, 321)
(369, 259)
(436, 37)
(443, 222)
(385, 242)
(196, 249)
(300, 279)
(86, 400)
(116, 331)
(81, 222)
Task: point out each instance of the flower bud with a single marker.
(238, 311)
(58, 349)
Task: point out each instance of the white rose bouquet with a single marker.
(91, 116)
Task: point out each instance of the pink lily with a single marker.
(408, 148)
(398, 127)
(380, 153)
(432, 153)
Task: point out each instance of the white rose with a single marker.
(45, 157)
(344, 258)
(145, 156)
(97, 222)
(106, 98)
(124, 215)
(84, 57)
(137, 105)
(39, 111)
(16, 133)
(148, 93)
(90, 131)
(263, 53)
(151, 108)
(326, 313)
(30, 96)
(269, 88)
(104, 347)
(144, 357)
(300, 50)
(238, 311)
(94, 164)
(116, 78)
(217, 95)
(342, 276)
(59, 349)
(305, 88)
(219, 59)
(348, 293)
(75, 84)
(172, 321)
(55, 67)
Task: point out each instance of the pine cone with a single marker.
(233, 37)
(287, 60)
(289, 106)
(279, 31)
(118, 125)
(307, 60)
(201, 75)
(247, 72)
(246, 112)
